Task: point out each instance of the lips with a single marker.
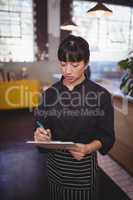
(69, 77)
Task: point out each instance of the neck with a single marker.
(73, 84)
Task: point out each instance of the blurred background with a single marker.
(30, 32)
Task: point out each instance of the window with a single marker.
(110, 38)
(16, 30)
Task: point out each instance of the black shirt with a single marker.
(81, 115)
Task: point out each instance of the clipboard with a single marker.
(53, 144)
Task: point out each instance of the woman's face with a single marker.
(72, 71)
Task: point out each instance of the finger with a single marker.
(76, 153)
(42, 131)
(48, 132)
(77, 156)
(40, 137)
(78, 144)
(75, 149)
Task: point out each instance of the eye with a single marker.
(63, 64)
(75, 65)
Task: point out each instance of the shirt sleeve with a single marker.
(105, 124)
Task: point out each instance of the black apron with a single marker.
(70, 179)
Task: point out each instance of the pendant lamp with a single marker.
(99, 10)
(68, 26)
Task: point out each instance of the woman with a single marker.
(75, 109)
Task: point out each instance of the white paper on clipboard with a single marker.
(53, 144)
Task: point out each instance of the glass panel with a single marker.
(16, 30)
(110, 38)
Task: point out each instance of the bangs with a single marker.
(73, 49)
(71, 56)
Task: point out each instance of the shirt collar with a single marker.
(80, 84)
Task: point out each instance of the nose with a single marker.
(68, 69)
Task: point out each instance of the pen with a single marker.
(41, 126)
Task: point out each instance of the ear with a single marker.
(86, 66)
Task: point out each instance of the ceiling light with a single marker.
(68, 26)
(99, 10)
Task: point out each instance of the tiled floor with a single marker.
(120, 176)
(19, 180)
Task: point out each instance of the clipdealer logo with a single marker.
(18, 96)
(21, 95)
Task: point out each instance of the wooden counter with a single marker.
(122, 150)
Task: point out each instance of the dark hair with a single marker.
(74, 49)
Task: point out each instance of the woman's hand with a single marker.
(80, 150)
(42, 134)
